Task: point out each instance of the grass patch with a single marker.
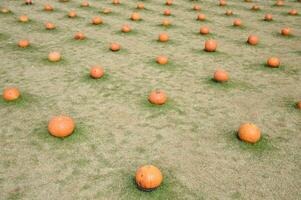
(214, 53)
(4, 36)
(88, 79)
(132, 32)
(24, 100)
(169, 42)
(230, 84)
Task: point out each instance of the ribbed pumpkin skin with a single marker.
(249, 133)
(61, 126)
(148, 177)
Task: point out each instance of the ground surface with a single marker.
(191, 138)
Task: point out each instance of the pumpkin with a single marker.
(299, 105)
(162, 60)
(5, 10)
(148, 177)
(157, 97)
(249, 133)
(135, 16)
(96, 72)
(28, 2)
(140, 5)
(273, 62)
(220, 76)
(54, 56)
(237, 22)
(85, 4)
(23, 18)
(204, 30)
(61, 126)
(196, 7)
(293, 12)
(79, 36)
(229, 12)
(48, 7)
(255, 8)
(286, 31)
(163, 37)
(168, 2)
(126, 28)
(167, 12)
(115, 47)
(268, 17)
(10, 94)
(210, 45)
(106, 11)
(49, 26)
(97, 20)
(115, 2)
(72, 14)
(222, 2)
(279, 3)
(23, 43)
(166, 22)
(253, 40)
(201, 17)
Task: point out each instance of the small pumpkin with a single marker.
(140, 5)
(210, 45)
(61, 126)
(115, 47)
(135, 16)
(106, 11)
(273, 62)
(268, 17)
(79, 36)
(163, 37)
(85, 4)
(10, 94)
(28, 2)
(115, 2)
(293, 12)
(249, 133)
(220, 76)
(229, 12)
(97, 20)
(23, 43)
(126, 28)
(96, 72)
(166, 22)
(222, 2)
(255, 8)
(148, 177)
(49, 26)
(299, 105)
(167, 12)
(253, 40)
(162, 60)
(237, 22)
(157, 97)
(54, 56)
(23, 19)
(196, 7)
(72, 14)
(201, 17)
(168, 2)
(48, 7)
(204, 30)
(279, 3)
(5, 10)
(286, 31)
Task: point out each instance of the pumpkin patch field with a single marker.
(150, 99)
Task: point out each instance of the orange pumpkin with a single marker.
(54, 56)
(28, 2)
(48, 7)
(229, 12)
(293, 12)
(157, 97)
(253, 40)
(273, 62)
(96, 20)
(237, 22)
(126, 28)
(72, 14)
(279, 3)
(116, 2)
(23, 43)
(286, 31)
(299, 105)
(79, 36)
(196, 7)
(167, 12)
(255, 8)
(249, 133)
(220, 76)
(106, 11)
(135, 16)
(166, 22)
(268, 17)
(10, 94)
(222, 2)
(162, 60)
(49, 26)
(115, 47)
(168, 2)
(210, 45)
(61, 126)
(23, 18)
(140, 5)
(163, 37)
(96, 72)
(201, 17)
(85, 4)
(204, 30)
(148, 177)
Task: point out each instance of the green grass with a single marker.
(230, 84)
(23, 101)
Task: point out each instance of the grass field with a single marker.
(192, 138)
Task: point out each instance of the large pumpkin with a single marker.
(253, 40)
(220, 76)
(54, 56)
(157, 97)
(61, 126)
(273, 62)
(210, 45)
(96, 72)
(162, 60)
(148, 177)
(10, 94)
(249, 133)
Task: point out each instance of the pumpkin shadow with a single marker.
(279, 35)
(88, 79)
